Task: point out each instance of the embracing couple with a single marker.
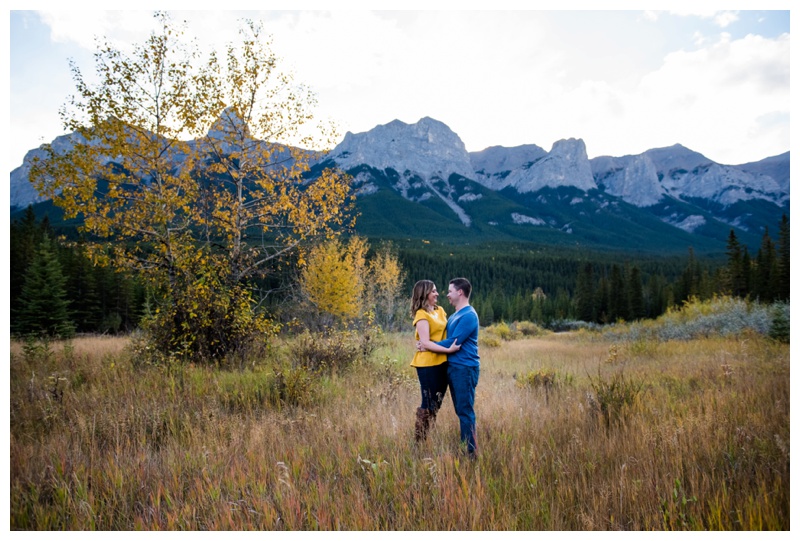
(447, 356)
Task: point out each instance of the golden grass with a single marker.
(98, 442)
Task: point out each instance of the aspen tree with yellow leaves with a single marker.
(385, 289)
(344, 286)
(189, 171)
(333, 279)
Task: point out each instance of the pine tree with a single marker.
(635, 295)
(780, 330)
(765, 274)
(735, 283)
(783, 260)
(690, 279)
(655, 296)
(602, 300)
(584, 294)
(747, 273)
(25, 236)
(81, 290)
(617, 302)
(43, 304)
(486, 316)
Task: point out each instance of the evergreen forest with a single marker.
(56, 289)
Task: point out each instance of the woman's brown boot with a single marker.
(422, 425)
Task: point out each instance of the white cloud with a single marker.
(511, 77)
(82, 26)
(726, 18)
(728, 100)
(711, 99)
(722, 19)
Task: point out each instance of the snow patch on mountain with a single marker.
(738, 222)
(469, 197)
(363, 185)
(447, 197)
(522, 219)
(688, 224)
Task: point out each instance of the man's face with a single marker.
(453, 295)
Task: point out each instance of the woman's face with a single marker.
(433, 296)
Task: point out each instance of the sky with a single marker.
(623, 81)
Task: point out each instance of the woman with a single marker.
(429, 321)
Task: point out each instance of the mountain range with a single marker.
(418, 181)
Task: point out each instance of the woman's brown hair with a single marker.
(419, 296)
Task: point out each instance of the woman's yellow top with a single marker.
(437, 320)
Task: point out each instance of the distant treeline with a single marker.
(53, 284)
(550, 285)
(515, 284)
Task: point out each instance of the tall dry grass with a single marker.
(100, 442)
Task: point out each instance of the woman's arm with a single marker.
(424, 332)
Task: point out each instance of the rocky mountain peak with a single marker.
(427, 147)
(228, 123)
(567, 164)
(632, 178)
(499, 159)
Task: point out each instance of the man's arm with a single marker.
(426, 344)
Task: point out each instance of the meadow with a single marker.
(577, 431)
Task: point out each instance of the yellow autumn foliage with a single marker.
(338, 280)
(183, 210)
(333, 277)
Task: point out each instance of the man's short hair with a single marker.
(462, 284)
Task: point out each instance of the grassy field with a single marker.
(576, 432)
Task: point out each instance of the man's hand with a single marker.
(419, 346)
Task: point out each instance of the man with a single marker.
(463, 366)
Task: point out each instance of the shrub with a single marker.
(564, 325)
(544, 378)
(613, 397)
(527, 328)
(720, 316)
(335, 352)
(389, 378)
(502, 330)
(489, 339)
(294, 386)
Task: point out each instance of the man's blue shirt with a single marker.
(463, 327)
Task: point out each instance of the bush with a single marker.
(502, 330)
(613, 397)
(720, 316)
(489, 339)
(294, 386)
(544, 378)
(335, 352)
(564, 325)
(527, 328)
